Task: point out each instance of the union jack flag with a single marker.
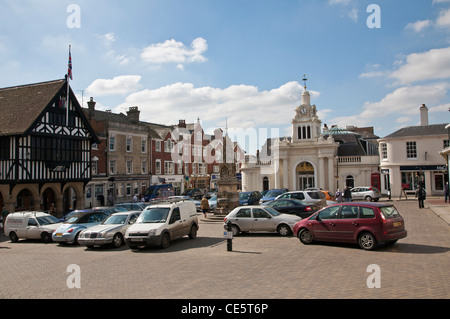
(69, 71)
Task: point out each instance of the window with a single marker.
(260, 213)
(112, 143)
(129, 144)
(158, 146)
(175, 215)
(94, 146)
(129, 167)
(349, 212)
(128, 189)
(168, 145)
(446, 143)
(112, 166)
(168, 167)
(244, 213)
(411, 150)
(383, 150)
(4, 148)
(366, 212)
(94, 167)
(329, 213)
(158, 167)
(144, 167)
(143, 145)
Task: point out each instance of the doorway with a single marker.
(305, 176)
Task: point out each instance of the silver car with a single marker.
(365, 192)
(111, 231)
(260, 218)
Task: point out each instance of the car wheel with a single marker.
(305, 236)
(193, 232)
(165, 241)
(235, 230)
(367, 241)
(13, 237)
(284, 230)
(75, 240)
(46, 238)
(368, 198)
(117, 240)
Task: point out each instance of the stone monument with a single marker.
(227, 194)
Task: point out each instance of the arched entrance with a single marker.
(69, 199)
(48, 200)
(265, 183)
(305, 175)
(25, 200)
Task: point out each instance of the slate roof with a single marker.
(421, 130)
(21, 105)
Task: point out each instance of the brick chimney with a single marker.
(133, 114)
(423, 115)
(181, 123)
(91, 108)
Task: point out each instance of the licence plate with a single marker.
(137, 239)
(58, 234)
(397, 224)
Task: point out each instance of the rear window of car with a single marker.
(389, 212)
(366, 212)
(314, 195)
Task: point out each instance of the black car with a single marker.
(293, 207)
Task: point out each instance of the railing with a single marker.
(350, 159)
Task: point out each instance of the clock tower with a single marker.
(306, 126)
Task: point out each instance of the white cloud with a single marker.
(124, 84)
(430, 65)
(444, 18)
(418, 25)
(397, 105)
(171, 51)
(245, 106)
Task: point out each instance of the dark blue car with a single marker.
(249, 198)
(272, 194)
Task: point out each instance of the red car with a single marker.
(368, 224)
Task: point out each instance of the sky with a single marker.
(239, 63)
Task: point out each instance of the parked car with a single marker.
(213, 202)
(194, 193)
(110, 232)
(365, 192)
(69, 231)
(272, 194)
(368, 224)
(260, 218)
(249, 198)
(30, 225)
(293, 207)
(104, 209)
(159, 224)
(312, 197)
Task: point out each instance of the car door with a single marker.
(356, 193)
(325, 224)
(243, 218)
(33, 230)
(347, 224)
(280, 206)
(262, 220)
(176, 226)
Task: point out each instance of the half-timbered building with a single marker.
(45, 159)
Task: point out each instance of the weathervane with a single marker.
(304, 81)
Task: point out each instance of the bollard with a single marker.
(229, 237)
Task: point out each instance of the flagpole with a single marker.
(69, 74)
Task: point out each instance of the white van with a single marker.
(30, 225)
(161, 223)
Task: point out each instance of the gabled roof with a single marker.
(21, 105)
(421, 130)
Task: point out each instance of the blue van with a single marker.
(158, 191)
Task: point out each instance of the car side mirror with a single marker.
(318, 218)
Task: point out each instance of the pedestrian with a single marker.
(204, 205)
(421, 194)
(4, 214)
(446, 193)
(347, 194)
(338, 196)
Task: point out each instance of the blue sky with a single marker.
(240, 60)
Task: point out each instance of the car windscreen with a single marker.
(274, 193)
(272, 211)
(47, 220)
(244, 195)
(154, 215)
(115, 220)
(389, 212)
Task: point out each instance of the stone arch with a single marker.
(305, 174)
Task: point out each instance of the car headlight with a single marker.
(152, 232)
(102, 234)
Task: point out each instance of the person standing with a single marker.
(446, 192)
(347, 194)
(204, 205)
(421, 195)
(5, 213)
(338, 196)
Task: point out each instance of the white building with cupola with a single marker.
(314, 156)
